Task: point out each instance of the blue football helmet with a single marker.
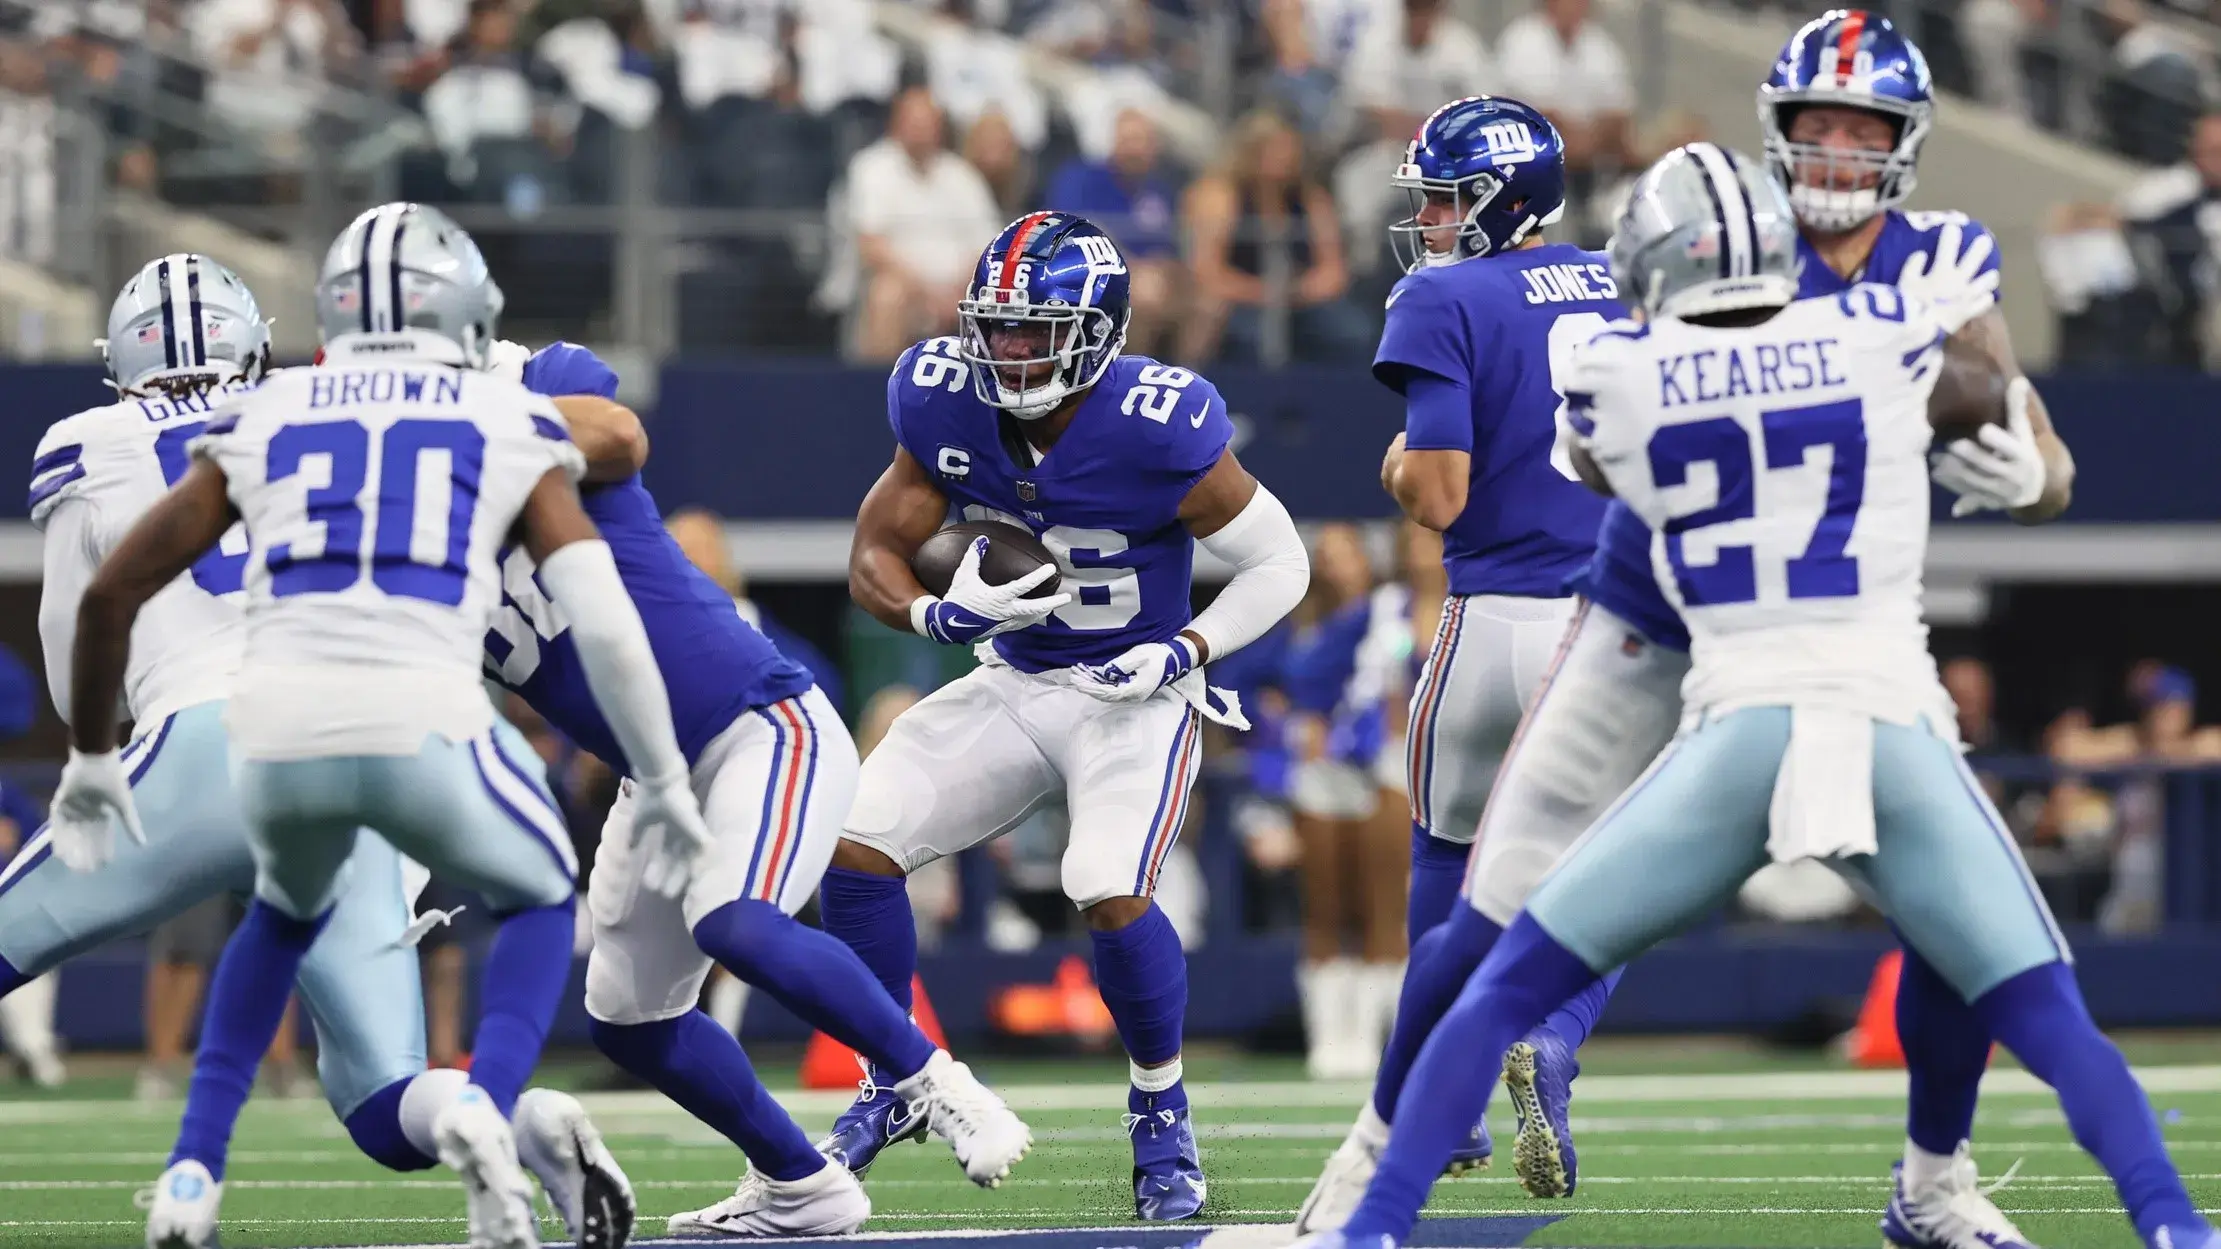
(1499, 163)
(1846, 58)
(1046, 313)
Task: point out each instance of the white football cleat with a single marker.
(475, 1142)
(181, 1213)
(1348, 1170)
(1954, 1211)
(827, 1202)
(987, 1137)
(561, 1146)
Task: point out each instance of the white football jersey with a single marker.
(376, 490)
(93, 476)
(1783, 470)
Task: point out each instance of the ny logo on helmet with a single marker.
(1102, 254)
(1510, 142)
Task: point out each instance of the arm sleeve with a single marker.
(1271, 572)
(613, 649)
(568, 369)
(1438, 413)
(72, 555)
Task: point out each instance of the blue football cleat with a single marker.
(1474, 1154)
(1168, 1169)
(1335, 1239)
(2198, 1237)
(1539, 1074)
(1954, 1212)
(879, 1117)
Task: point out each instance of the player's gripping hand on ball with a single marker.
(672, 836)
(2001, 467)
(1140, 672)
(973, 609)
(93, 797)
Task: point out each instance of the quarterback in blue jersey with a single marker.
(774, 769)
(1845, 110)
(1090, 696)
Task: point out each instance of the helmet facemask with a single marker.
(1466, 199)
(1834, 188)
(1028, 358)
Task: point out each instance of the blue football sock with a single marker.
(526, 970)
(700, 1066)
(1437, 875)
(376, 1127)
(871, 915)
(822, 981)
(1574, 1021)
(1947, 1048)
(2040, 1016)
(1522, 980)
(1441, 963)
(1143, 976)
(246, 1002)
(10, 978)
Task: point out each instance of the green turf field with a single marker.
(1675, 1151)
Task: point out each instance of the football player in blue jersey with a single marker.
(774, 768)
(1089, 697)
(1846, 109)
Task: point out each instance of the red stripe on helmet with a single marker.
(1847, 44)
(1018, 243)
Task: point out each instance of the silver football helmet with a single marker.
(406, 267)
(185, 323)
(1705, 230)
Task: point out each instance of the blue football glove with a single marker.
(1139, 672)
(973, 610)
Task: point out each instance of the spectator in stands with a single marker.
(27, 186)
(1558, 60)
(2108, 314)
(2168, 212)
(1309, 42)
(974, 69)
(1995, 34)
(1130, 196)
(921, 215)
(1114, 43)
(993, 149)
(1264, 234)
(271, 58)
(2161, 81)
(848, 70)
(484, 115)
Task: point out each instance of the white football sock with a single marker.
(1154, 1079)
(728, 1003)
(421, 1103)
(1924, 1170)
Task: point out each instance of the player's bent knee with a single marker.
(854, 856)
(1112, 914)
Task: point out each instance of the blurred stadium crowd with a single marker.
(848, 157)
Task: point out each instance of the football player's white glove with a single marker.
(93, 797)
(1139, 672)
(507, 359)
(1999, 468)
(973, 609)
(1950, 279)
(669, 833)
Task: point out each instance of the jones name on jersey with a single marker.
(1105, 499)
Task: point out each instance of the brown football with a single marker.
(1012, 552)
(1969, 394)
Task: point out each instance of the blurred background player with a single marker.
(1476, 334)
(774, 769)
(1089, 696)
(359, 704)
(185, 335)
(1819, 727)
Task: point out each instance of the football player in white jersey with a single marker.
(1785, 469)
(375, 489)
(185, 335)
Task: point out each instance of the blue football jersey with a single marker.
(1504, 325)
(1621, 578)
(1106, 499)
(715, 665)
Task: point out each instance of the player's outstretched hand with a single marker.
(973, 609)
(94, 797)
(1139, 672)
(1999, 469)
(1950, 279)
(669, 833)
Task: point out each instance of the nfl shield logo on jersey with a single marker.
(1026, 492)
